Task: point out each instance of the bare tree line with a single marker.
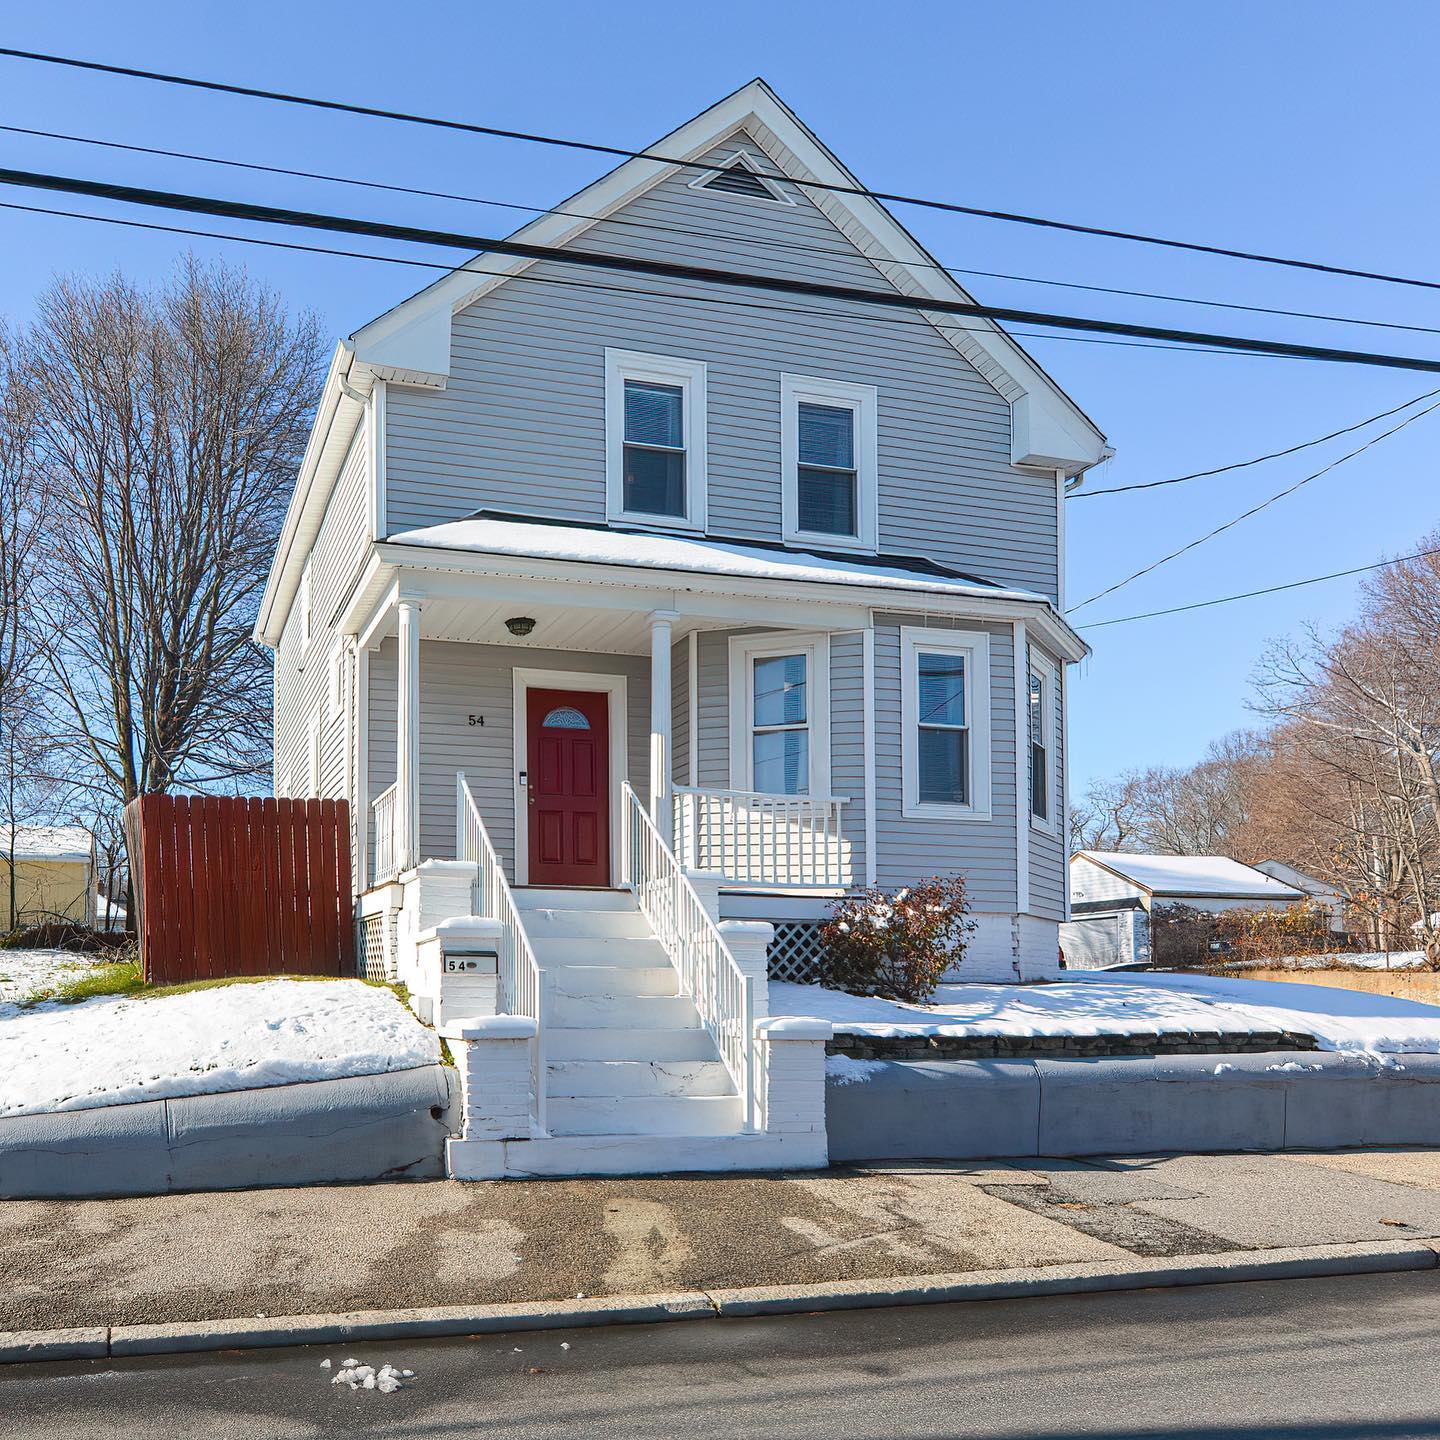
(148, 442)
(1342, 782)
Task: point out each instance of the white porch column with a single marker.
(660, 713)
(1022, 769)
(407, 731)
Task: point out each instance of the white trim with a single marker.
(867, 677)
(312, 758)
(975, 645)
(1049, 674)
(742, 159)
(690, 376)
(335, 682)
(746, 648)
(863, 401)
(1065, 783)
(1060, 540)
(616, 688)
(1020, 650)
(379, 518)
(692, 679)
(307, 609)
(362, 769)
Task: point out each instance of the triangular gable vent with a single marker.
(740, 176)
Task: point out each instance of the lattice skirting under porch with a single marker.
(795, 951)
(371, 949)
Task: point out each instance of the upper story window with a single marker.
(828, 462)
(1044, 734)
(655, 440)
(945, 720)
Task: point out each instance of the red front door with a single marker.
(568, 787)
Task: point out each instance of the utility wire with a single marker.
(656, 227)
(528, 278)
(237, 210)
(1256, 460)
(1268, 590)
(1256, 509)
(620, 152)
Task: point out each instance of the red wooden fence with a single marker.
(241, 886)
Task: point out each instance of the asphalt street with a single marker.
(1301, 1360)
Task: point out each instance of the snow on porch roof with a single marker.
(492, 534)
(1211, 876)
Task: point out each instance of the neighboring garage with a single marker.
(1112, 896)
(54, 875)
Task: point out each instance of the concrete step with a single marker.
(552, 953)
(626, 1012)
(544, 925)
(568, 1078)
(644, 1115)
(588, 1042)
(544, 897)
(617, 980)
(630, 1155)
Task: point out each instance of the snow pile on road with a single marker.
(387, 1379)
(1108, 1003)
(114, 1050)
(27, 972)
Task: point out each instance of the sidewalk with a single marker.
(244, 1254)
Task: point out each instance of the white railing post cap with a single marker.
(491, 1027)
(794, 1027)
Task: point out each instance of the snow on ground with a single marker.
(1343, 960)
(27, 972)
(1109, 1003)
(114, 1049)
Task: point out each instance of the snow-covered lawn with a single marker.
(27, 972)
(1101, 1003)
(114, 1049)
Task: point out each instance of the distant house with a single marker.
(1326, 896)
(54, 874)
(1112, 897)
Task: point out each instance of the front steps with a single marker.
(626, 1055)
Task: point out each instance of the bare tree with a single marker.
(1108, 815)
(172, 424)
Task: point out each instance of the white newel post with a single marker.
(407, 759)
(790, 1057)
(660, 711)
(749, 942)
(492, 1053)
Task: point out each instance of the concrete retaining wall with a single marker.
(971, 1109)
(369, 1127)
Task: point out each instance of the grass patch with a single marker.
(123, 978)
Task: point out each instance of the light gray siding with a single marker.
(459, 680)
(847, 743)
(680, 712)
(1047, 849)
(521, 423)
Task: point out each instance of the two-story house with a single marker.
(602, 595)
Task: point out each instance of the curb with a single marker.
(1226, 1267)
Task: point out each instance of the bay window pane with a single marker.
(827, 501)
(654, 414)
(944, 767)
(781, 762)
(655, 481)
(941, 689)
(780, 691)
(1039, 783)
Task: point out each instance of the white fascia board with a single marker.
(406, 335)
(689, 591)
(330, 434)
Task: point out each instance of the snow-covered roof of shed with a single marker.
(1210, 876)
(540, 540)
(49, 842)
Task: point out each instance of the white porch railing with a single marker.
(522, 982)
(707, 971)
(387, 861)
(793, 841)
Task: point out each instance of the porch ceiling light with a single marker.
(519, 625)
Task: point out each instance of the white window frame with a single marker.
(744, 651)
(745, 161)
(690, 376)
(864, 402)
(1043, 666)
(313, 760)
(335, 683)
(974, 645)
(307, 607)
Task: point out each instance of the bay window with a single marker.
(945, 720)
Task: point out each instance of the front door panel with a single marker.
(568, 789)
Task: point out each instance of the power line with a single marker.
(1256, 460)
(611, 289)
(1268, 590)
(653, 226)
(673, 270)
(620, 152)
(1256, 509)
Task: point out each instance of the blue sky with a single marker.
(1304, 130)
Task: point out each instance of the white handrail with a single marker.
(757, 838)
(522, 982)
(708, 973)
(386, 860)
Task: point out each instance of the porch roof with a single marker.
(493, 534)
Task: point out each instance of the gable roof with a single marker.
(1209, 877)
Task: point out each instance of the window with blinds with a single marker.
(654, 463)
(944, 733)
(826, 476)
